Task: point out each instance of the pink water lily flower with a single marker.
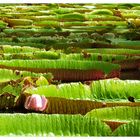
(36, 102)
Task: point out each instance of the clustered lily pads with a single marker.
(70, 70)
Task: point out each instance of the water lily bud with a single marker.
(36, 102)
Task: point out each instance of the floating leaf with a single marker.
(51, 125)
(130, 129)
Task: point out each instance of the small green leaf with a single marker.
(42, 81)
